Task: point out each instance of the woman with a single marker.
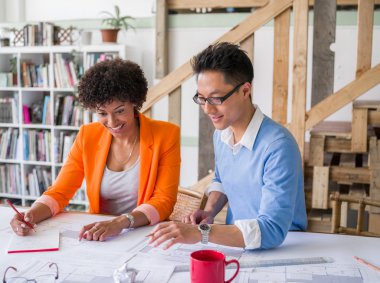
(131, 163)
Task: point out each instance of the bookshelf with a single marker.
(40, 116)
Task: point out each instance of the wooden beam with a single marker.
(320, 198)
(248, 46)
(374, 165)
(365, 33)
(336, 214)
(373, 225)
(168, 84)
(352, 2)
(343, 96)
(323, 57)
(359, 129)
(175, 107)
(337, 145)
(281, 67)
(301, 11)
(255, 21)
(344, 2)
(191, 4)
(367, 104)
(161, 39)
(339, 129)
(237, 34)
(374, 117)
(317, 146)
(348, 175)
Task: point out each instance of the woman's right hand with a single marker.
(19, 227)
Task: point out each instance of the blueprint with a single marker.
(93, 262)
(319, 273)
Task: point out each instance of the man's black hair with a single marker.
(226, 58)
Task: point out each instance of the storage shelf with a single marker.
(46, 139)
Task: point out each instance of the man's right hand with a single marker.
(199, 216)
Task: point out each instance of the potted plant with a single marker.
(114, 22)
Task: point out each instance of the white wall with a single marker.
(14, 10)
(49, 10)
(2, 10)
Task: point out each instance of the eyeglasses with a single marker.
(44, 278)
(215, 100)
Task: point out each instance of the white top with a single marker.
(119, 190)
(249, 227)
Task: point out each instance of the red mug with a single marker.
(208, 266)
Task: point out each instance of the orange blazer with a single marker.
(159, 167)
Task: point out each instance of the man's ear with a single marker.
(247, 89)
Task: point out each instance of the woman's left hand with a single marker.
(173, 233)
(99, 231)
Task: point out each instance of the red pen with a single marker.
(19, 214)
(370, 265)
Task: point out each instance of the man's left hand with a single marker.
(172, 233)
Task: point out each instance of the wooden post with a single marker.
(323, 57)
(161, 39)
(175, 107)
(374, 166)
(373, 225)
(320, 197)
(162, 60)
(248, 46)
(281, 67)
(359, 225)
(344, 214)
(359, 129)
(365, 34)
(317, 150)
(301, 11)
(336, 208)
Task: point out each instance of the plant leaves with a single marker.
(116, 21)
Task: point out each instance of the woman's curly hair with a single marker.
(111, 80)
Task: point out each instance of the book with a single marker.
(26, 114)
(45, 110)
(39, 241)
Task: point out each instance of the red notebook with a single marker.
(39, 241)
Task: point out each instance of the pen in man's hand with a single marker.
(20, 215)
(370, 265)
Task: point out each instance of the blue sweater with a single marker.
(264, 184)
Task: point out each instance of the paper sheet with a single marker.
(39, 241)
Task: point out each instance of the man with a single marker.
(258, 168)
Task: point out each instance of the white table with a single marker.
(88, 261)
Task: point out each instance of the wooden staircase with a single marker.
(302, 119)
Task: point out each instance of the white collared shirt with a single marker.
(249, 227)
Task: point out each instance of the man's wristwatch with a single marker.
(205, 231)
(131, 219)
